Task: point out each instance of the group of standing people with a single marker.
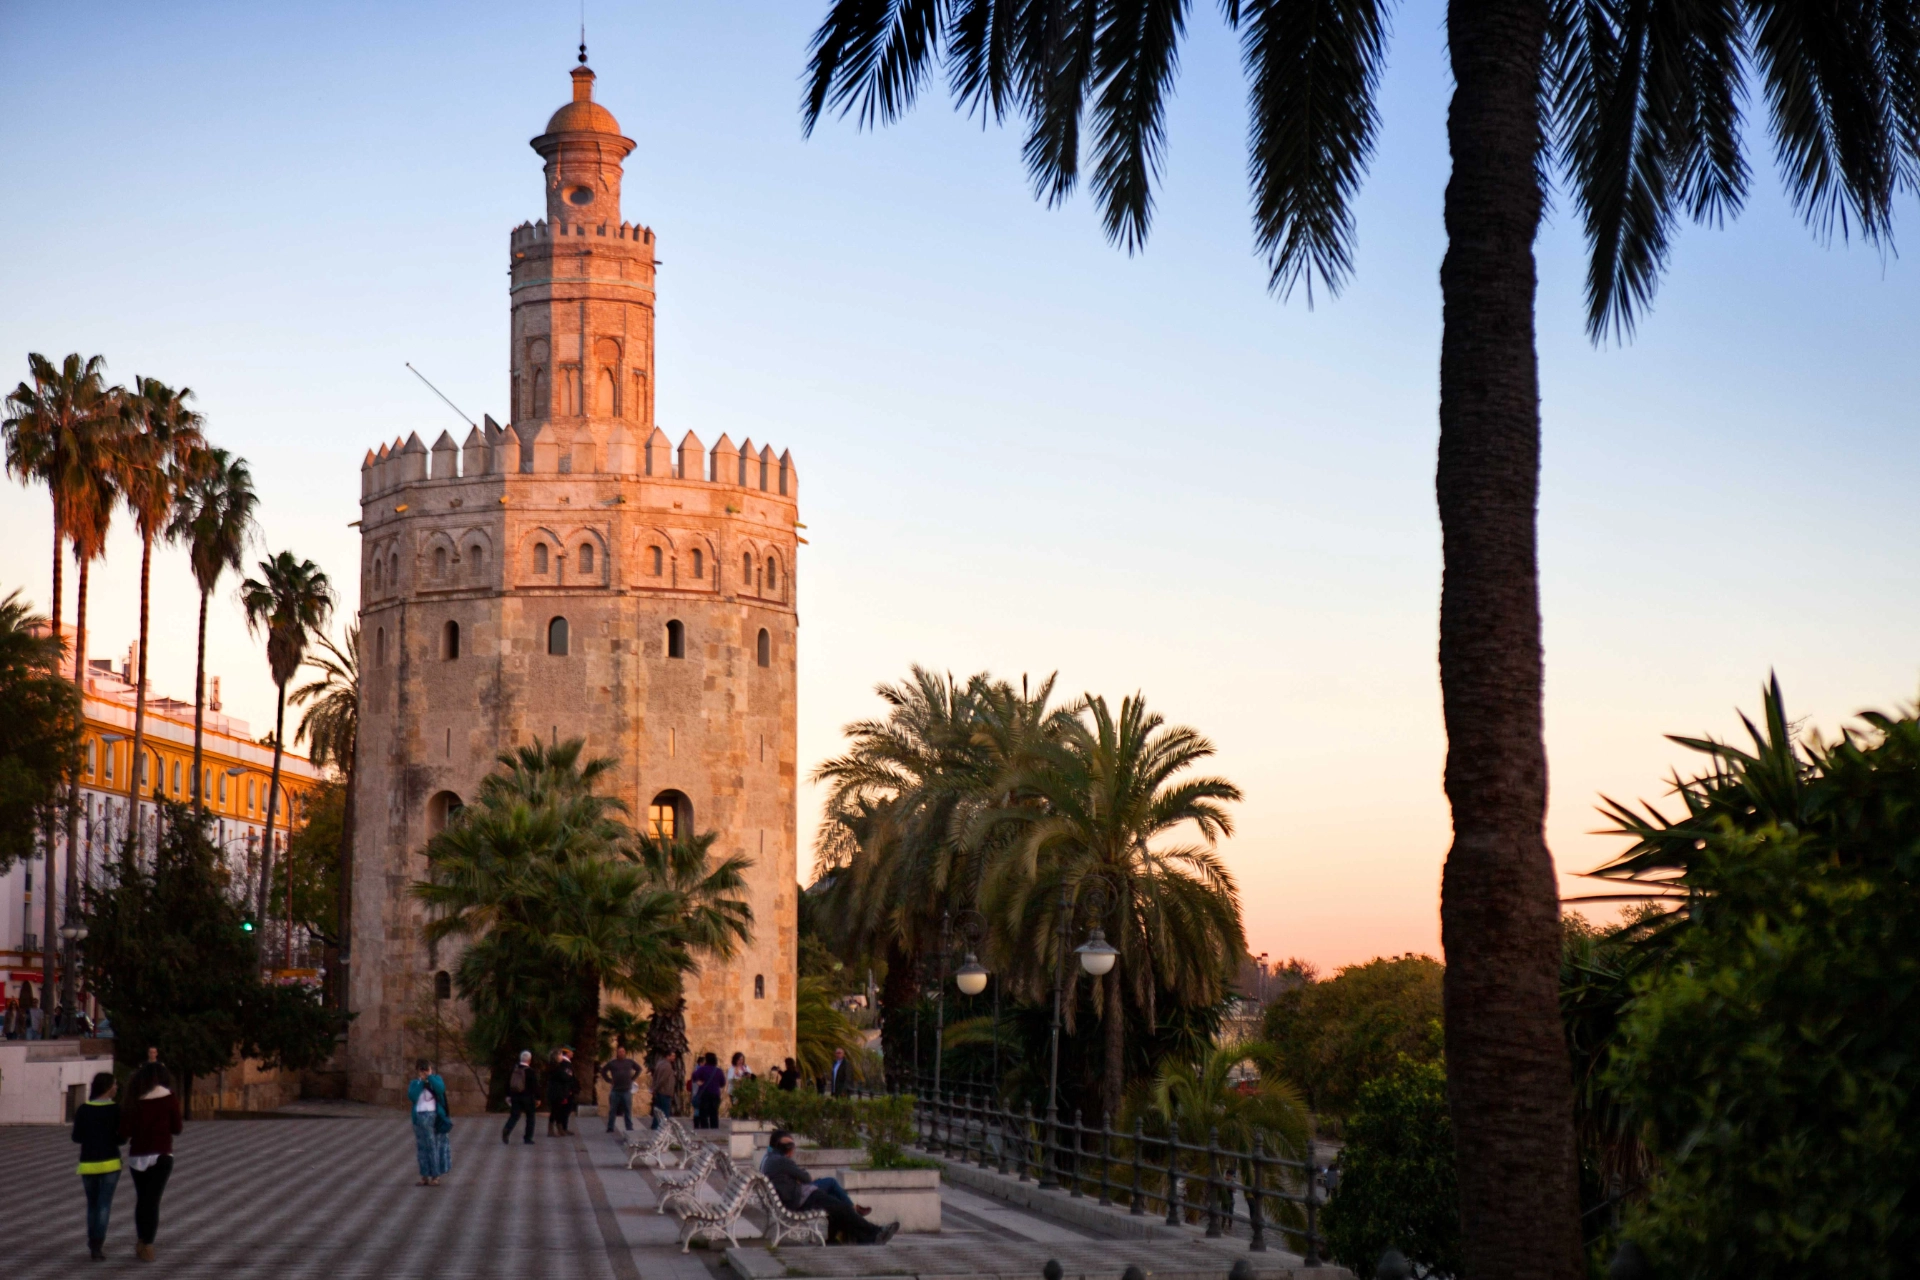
(524, 1095)
(145, 1117)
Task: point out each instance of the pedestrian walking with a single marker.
(707, 1082)
(96, 1127)
(789, 1077)
(150, 1116)
(620, 1075)
(666, 1083)
(432, 1123)
(523, 1096)
(562, 1088)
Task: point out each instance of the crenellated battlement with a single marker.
(528, 234)
(497, 451)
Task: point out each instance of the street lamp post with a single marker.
(1096, 958)
(971, 978)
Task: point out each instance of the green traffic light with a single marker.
(246, 926)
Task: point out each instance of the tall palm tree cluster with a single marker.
(98, 448)
(1637, 110)
(1050, 821)
(561, 902)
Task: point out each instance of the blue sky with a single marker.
(1020, 449)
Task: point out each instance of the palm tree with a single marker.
(161, 435)
(52, 434)
(213, 515)
(1110, 793)
(708, 918)
(40, 732)
(289, 601)
(332, 726)
(1641, 105)
(1234, 1093)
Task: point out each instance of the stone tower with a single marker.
(575, 574)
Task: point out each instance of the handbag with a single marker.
(442, 1117)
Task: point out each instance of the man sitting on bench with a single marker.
(800, 1191)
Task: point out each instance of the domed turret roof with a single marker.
(583, 114)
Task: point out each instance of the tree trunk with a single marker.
(586, 1039)
(140, 683)
(1114, 1083)
(345, 926)
(899, 1004)
(1508, 1075)
(200, 711)
(273, 810)
(72, 881)
(48, 826)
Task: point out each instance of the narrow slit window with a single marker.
(540, 557)
(439, 562)
(699, 564)
(773, 574)
(759, 986)
(586, 557)
(658, 561)
(557, 637)
(452, 641)
(746, 567)
(676, 639)
(764, 652)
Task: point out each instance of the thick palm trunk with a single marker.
(586, 1038)
(199, 710)
(899, 1004)
(72, 881)
(48, 826)
(273, 811)
(1509, 1081)
(140, 680)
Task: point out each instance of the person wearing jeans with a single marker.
(149, 1120)
(620, 1074)
(666, 1083)
(96, 1127)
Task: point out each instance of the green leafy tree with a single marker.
(213, 515)
(40, 732)
(1335, 1035)
(170, 962)
(1397, 1186)
(289, 602)
(331, 724)
(313, 860)
(1769, 1053)
(1639, 110)
(160, 438)
(1106, 798)
(819, 1028)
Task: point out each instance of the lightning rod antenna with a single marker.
(437, 391)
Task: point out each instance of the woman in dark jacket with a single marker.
(562, 1088)
(149, 1119)
(96, 1127)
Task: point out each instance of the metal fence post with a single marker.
(1079, 1146)
(1312, 1258)
(1213, 1187)
(1252, 1192)
(1106, 1159)
(1139, 1204)
(1173, 1165)
(1026, 1128)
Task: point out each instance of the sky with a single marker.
(1021, 449)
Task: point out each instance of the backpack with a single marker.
(517, 1082)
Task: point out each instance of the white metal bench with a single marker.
(783, 1222)
(681, 1186)
(711, 1221)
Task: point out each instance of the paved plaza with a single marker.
(330, 1194)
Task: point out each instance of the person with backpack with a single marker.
(96, 1127)
(523, 1096)
(432, 1123)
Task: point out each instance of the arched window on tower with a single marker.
(659, 560)
(439, 563)
(557, 637)
(764, 654)
(393, 572)
(773, 574)
(670, 816)
(586, 557)
(746, 568)
(676, 639)
(476, 561)
(759, 986)
(378, 577)
(443, 985)
(699, 563)
(380, 647)
(441, 810)
(540, 557)
(450, 644)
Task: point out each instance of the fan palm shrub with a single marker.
(1638, 109)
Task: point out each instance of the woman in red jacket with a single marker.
(150, 1116)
